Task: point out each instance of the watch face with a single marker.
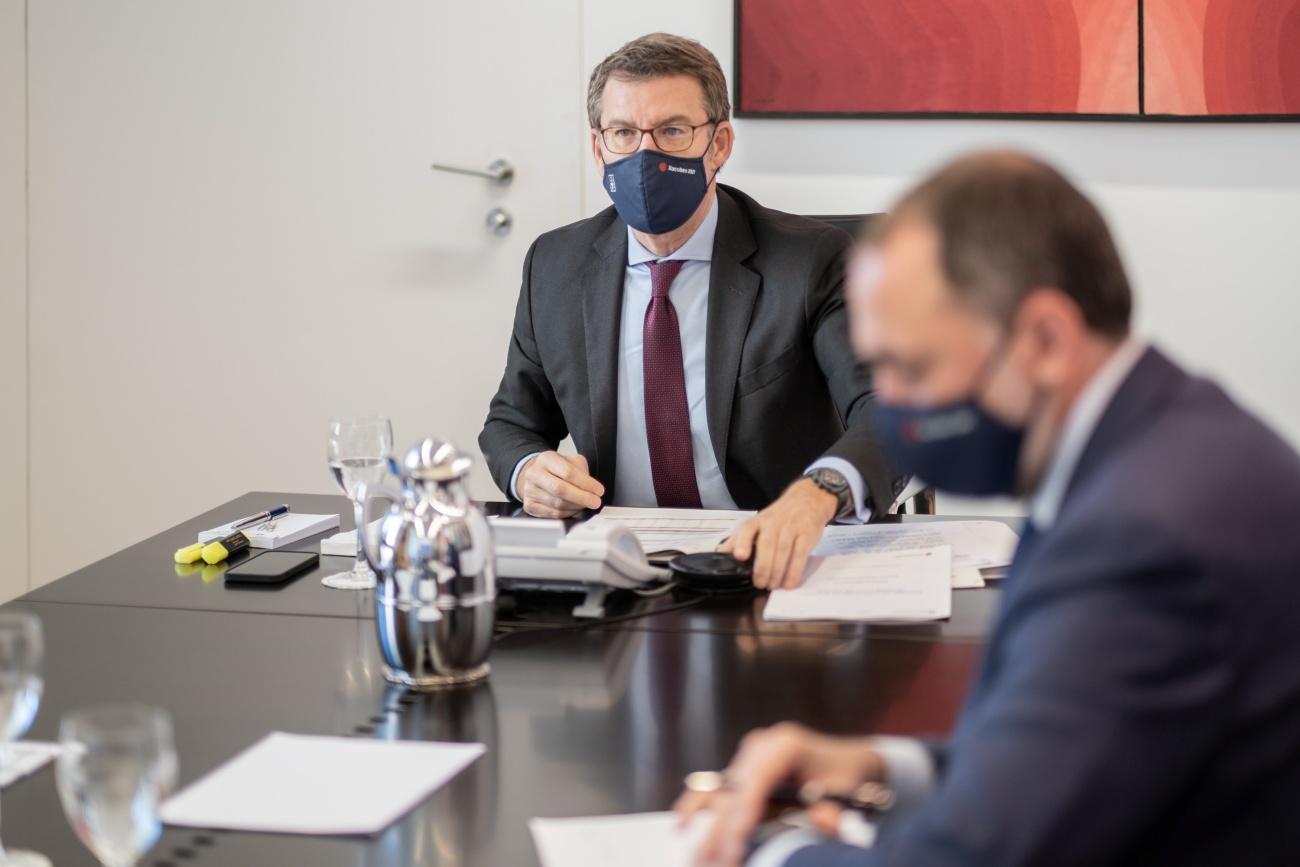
(830, 479)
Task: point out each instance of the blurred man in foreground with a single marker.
(1139, 697)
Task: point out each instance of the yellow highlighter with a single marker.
(215, 552)
(190, 554)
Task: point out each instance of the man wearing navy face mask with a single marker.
(692, 342)
(1139, 698)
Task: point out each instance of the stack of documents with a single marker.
(637, 840)
(899, 573)
(902, 586)
(278, 532)
(663, 532)
(296, 784)
(977, 546)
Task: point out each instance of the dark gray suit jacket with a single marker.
(782, 385)
(1139, 700)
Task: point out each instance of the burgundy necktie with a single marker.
(667, 417)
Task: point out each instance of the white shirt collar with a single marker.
(699, 247)
(1080, 424)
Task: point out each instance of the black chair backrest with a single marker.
(854, 224)
(923, 503)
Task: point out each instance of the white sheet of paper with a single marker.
(25, 757)
(689, 531)
(634, 840)
(975, 545)
(966, 578)
(886, 586)
(300, 784)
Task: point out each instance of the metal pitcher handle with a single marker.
(364, 494)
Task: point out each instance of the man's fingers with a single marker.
(825, 817)
(803, 544)
(741, 543)
(555, 474)
(575, 472)
(542, 510)
(764, 554)
(689, 803)
(766, 757)
(781, 556)
(569, 493)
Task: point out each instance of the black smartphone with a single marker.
(272, 567)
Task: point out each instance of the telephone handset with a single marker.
(537, 553)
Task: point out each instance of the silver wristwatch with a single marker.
(833, 482)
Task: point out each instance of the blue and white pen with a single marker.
(259, 518)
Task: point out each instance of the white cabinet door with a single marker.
(235, 233)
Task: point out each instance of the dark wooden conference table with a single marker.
(597, 720)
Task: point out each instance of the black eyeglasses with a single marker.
(669, 138)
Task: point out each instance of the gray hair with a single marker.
(660, 54)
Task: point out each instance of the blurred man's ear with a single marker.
(1052, 331)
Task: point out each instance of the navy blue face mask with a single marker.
(957, 447)
(656, 192)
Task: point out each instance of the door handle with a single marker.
(500, 172)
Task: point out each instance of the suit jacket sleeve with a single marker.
(848, 380)
(524, 416)
(1105, 696)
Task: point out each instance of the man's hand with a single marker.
(786, 754)
(781, 536)
(553, 485)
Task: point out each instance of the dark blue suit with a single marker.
(1139, 700)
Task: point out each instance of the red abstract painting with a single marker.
(1222, 57)
(1076, 58)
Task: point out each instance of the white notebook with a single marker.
(278, 532)
(301, 784)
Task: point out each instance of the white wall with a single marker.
(235, 234)
(13, 298)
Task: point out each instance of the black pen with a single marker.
(870, 797)
(260, 517)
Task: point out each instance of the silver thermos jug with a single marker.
(435, 603)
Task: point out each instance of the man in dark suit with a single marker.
(1139, 698)
(692, 342)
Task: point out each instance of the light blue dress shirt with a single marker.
(690, 298)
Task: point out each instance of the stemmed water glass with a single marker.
(358, 450)
(117, 767)
(21, 654)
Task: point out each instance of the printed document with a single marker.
(976, 545)
(677, 531)
(904, 585)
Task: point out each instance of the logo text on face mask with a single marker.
(940, 427)
(681, 170)
(613, 187)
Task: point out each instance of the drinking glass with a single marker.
(117, 767)
(358, 450)
(21, 652)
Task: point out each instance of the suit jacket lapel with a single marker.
(602, 309)
(733, 289)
